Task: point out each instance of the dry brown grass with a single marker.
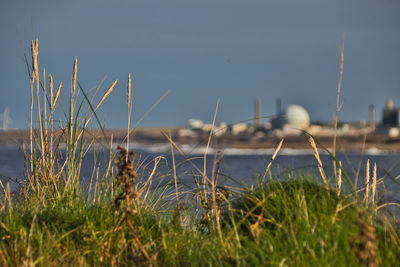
(126, 178)
(367, 185)
(106, 94)
(339, 179)
(74, 74)
(338, 104)
(273, 158)
(46, 177)
(34, 76)
(364, 247)
(374, 178)
(129, 104)
(320, 166)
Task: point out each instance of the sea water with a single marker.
(238, 167)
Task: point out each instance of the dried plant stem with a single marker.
(55, 101)
(273, 158)
(50, 120)
(206, 150)
(45, 108)
(339, 179)
(129, 103)
(31, 127)
(338, 105)
(174, 170)
(367, 177)
(215, 206)
(40, 122)
(213, 186)
(150, 179)
(218, 166)
(360, 162)
(72, 95)
(320, 167)
(135, 236)
(34, 76)
(387, 204)
(374, 184)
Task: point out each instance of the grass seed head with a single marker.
(109, 90)
(128, 93)
(51, 90)
(57, 93)
(75, 71)
(35, 52)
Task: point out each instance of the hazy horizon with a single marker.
(203, 51)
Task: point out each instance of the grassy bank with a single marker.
(279, 223)
(129, 216)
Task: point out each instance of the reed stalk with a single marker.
(41, 142)
(45, 112)
(51, 121)
(34, 76)
(338, 105)
(129, 103)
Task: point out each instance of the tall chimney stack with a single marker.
(278, 107)
(257, 111)
(372, 116)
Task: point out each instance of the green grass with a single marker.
(282, 222)
(297, 221)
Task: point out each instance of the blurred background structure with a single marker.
(201, 51)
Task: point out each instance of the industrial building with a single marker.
(295, 119)
(391, 115)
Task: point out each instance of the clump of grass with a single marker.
(71, 234)
(296, 220)
(54, 172)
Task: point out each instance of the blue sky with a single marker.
(202, 51)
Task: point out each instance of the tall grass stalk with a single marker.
(129, 103)
(338, 104)
(273, 158)
(174, 170)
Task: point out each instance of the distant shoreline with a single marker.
(148, 137)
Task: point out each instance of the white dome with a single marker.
(195, 124)
(297, 117)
